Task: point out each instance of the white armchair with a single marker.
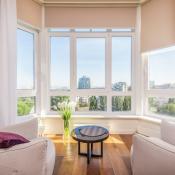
(34, 158)
(154, 156)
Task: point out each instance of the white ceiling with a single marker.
(91, 3)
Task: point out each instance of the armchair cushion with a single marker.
(167, 131)
(27, 129)
(9, 171)
(10, 139)
(29, 158)
(152, 156)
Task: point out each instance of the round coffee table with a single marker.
(90, 134)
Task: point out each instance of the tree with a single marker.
(25, 106)
(102, 103)
(57, 99)
(171, 109)
(117, 103)
(127, 103)
(93, 103)
(171, 100)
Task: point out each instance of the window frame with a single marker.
(32, 92)
(108, 92)
(163, 93)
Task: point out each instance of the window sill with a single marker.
(132, 117)
(150, 119)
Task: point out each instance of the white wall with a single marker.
(124, 125)
(149, 127)
(54, 125)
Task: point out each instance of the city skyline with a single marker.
(161, 66)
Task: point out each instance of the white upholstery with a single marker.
(154, 156)
(8, 171)
(168, 131)
(28, 129)
(34, 158)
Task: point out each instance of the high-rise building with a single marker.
(84, 83)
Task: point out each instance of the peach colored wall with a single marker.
(29, 12)
(90, 17)
(158, 24)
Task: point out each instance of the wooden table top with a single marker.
(90, 134)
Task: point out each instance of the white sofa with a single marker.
(34, 158)
(154, 156)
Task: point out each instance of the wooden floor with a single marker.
(115, 161)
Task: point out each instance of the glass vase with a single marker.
(66, 129)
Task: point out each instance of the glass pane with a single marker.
(163, 106)
(82, 30)
(91, 103)
(54, 100)
(121, 63)
(161, 70)
(25, 60)
(99, 30)
(121, 103)
(60, 63)
(59, 30)
(26, 105)
(122, 30)
(90, 63)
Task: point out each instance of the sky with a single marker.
(162, 67)
(90, 62)
(60, 62)
(25, 61)
(121, 60)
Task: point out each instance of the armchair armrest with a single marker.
(26, 159)
(152, 156)
(9, 171)
(28, 129)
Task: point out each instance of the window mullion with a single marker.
(73, 66)
(108, 71)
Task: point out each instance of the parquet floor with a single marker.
(115, 161)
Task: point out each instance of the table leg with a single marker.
(102, 149)
(88, 154)
(91, 148)
(79, 147)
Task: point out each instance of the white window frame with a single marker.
(35, 91)
(108, 92)
(163, 93)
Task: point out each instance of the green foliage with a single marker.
(25, 105)
(93, 103)
(152, 102)
(58, 99)
(171, 108)
(66, 109)
(102, 105)
(97, 103)
(165, 108)
(120, 103)
(127, 103)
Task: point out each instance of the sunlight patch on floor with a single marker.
(59, 139)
